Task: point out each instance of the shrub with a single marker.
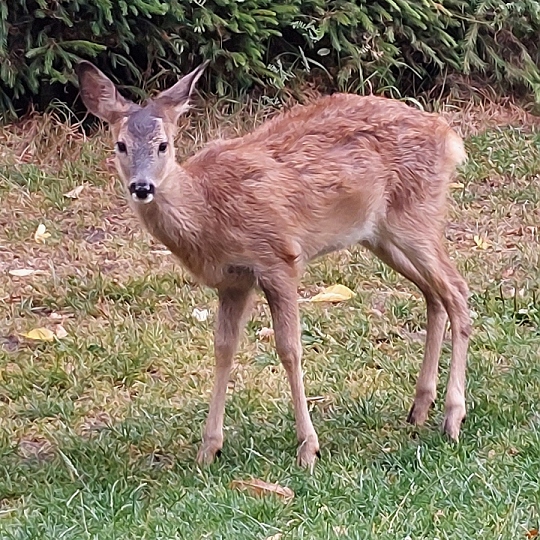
(356, 45)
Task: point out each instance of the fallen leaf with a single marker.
(508, 272)
(533, 533)
(334, 293)
(40, 334)
(10, 343)
(200, 314)
(69, 368)
(265, 333)
(22, 272)
(456, 185)
(481, 243)
(74, 193)
(317, 399)
(260, 488)
(41, 233)
(38, 449)
(60, 331)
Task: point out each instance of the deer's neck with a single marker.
(173, 217)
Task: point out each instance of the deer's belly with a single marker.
(329, 242)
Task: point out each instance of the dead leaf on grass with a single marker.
(334, 293)
(74, 193)
(200, 314)
(41, 233)
(37, 449)
(10, 343)
(481, 243)
(39, 334)
(260, 488)
(265, 333)
(508, 272)
(60, 331)
(22, 272)
(533, 533)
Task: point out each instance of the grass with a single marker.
(99, 429)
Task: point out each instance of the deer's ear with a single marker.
(175, 100)
(99, 94)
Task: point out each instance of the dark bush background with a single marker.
(392, 46)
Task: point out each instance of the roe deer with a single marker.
(252, 211)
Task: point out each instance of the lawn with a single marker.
(99, 427)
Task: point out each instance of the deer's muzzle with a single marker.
(142, 191)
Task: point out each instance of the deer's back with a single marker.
(325, 175)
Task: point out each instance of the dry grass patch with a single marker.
(108, 418)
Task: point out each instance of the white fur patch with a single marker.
(149, 198)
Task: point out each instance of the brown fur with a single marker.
(253, 211)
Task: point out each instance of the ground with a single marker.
(99, 427)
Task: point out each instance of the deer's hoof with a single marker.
(420, 410)
(208, 452)
(453, 418)
(308, 452)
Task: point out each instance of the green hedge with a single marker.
(355, 45)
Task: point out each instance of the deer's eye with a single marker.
(163, 147)
(121, 147)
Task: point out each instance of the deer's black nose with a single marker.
(142, 191)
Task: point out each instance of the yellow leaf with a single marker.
(40, 334)
(260, 488)
(22, 272)
(74, 193)
(334, 293)
(481, 243)
(41, 233)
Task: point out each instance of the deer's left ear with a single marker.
(175, 100)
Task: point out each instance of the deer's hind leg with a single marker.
(426, 386)
(423, 260)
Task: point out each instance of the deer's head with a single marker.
(143, 135)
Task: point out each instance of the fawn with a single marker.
(253, 211)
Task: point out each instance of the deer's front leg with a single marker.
(282, 299)
(233, 304)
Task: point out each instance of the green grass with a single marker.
(99, 430)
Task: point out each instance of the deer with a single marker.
(249, 213)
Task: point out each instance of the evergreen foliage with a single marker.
(358, 44)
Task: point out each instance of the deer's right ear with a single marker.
(100, 95)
